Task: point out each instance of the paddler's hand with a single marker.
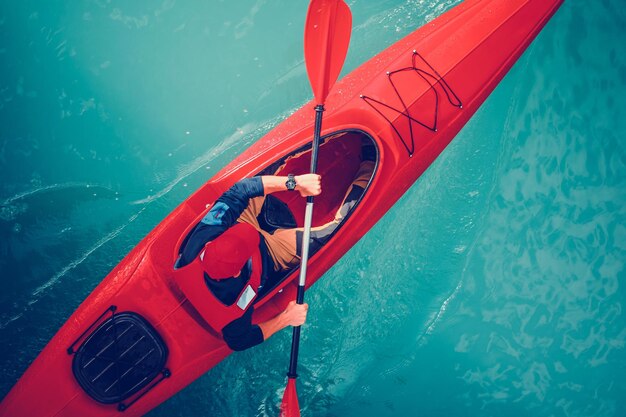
(309, 184)
(295, 314)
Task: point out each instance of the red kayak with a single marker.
(149, 329)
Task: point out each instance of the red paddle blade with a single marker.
(326, 39)
(290, 407)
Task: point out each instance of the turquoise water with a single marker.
(503, 296)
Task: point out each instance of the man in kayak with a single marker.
(230, 250)
(240, 254)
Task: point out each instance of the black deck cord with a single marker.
(295, 341)
(165, 373)
(453, 99)
(70, 349)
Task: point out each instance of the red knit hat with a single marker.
(225, 256)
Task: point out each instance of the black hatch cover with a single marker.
(119, 358)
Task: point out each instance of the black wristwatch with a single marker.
(291, 182)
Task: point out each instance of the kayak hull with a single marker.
(411, 100)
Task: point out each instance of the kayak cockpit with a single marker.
(347, 162)
(340, 156)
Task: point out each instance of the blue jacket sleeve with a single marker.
(241, 334)
(222, 215)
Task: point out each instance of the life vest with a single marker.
(191, 281)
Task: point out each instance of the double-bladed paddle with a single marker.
(326, 39)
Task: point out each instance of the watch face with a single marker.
(291, 183)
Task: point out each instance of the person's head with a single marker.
(225, 256)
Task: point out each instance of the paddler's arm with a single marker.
(241, 334)
(222, 215)
(233, 202)
(307, 184)
(294, 315)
